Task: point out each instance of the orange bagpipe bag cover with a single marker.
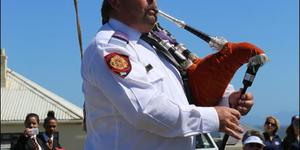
(209, 76)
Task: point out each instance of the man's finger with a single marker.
(247, 96)
(234, 125)
(236, 113)
(233, 133)
(246, 103)
(243, 110)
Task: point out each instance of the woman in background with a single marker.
(272, 140)
(291, 141)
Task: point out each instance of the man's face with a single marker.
(138, 14)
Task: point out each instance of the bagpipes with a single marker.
(208, 77)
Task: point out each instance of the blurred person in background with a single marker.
(253, 140)
(291, 141)
(29, 140)
(49, 138)
(272, 140)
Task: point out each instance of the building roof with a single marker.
(21, 96)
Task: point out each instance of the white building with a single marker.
(20, 96)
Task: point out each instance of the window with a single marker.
(7, 139)
(205, 141)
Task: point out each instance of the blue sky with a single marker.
(41, 42)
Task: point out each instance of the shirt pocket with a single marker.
(156, 78)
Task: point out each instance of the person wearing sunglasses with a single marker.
(272, 140)
(253, 140)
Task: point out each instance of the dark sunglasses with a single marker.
(272, 124)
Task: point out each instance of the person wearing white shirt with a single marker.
(134, 97)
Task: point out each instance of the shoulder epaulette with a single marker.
(119, 38)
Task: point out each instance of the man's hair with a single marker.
(105, 11)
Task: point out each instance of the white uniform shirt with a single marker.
(144, 110)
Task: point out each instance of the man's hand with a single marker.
(229, 121)
(241, 103)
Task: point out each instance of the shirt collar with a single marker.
(133, 35)
(33, 136)
(47, 138)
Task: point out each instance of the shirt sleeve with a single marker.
(225, 99)
(142, 104)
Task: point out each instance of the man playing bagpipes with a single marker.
(134, 96)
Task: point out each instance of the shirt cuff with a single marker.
(209, 119)
(225, 99)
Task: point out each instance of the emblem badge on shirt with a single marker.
(118, 64)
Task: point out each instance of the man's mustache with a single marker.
(153, 8)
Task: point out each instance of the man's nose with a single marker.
(150, 1)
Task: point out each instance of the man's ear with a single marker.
(115, 4)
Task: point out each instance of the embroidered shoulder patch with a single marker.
(118, 64)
